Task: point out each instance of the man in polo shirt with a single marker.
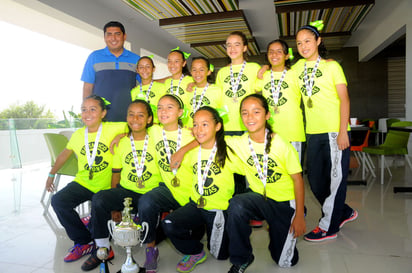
(111, 72)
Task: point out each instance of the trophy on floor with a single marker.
(127, 234)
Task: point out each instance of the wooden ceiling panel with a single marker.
(340, 18)
(205, 24)
(162, 9)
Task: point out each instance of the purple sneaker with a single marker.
(152, 257)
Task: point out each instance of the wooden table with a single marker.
(409, 130)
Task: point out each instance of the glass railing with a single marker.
(22, 141)
(38, 123)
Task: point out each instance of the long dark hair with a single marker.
(321, 47)
(285, 49)
(221, 153)
(179, 102)
(185, 70)
(149, 113)
(264, 104)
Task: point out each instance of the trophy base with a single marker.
(141, 270)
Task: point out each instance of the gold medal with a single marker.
(264, 193)
(90, 174)
(234, 99)
(201, 203)
(140, 183)
(276, 109)
(175, 182)
(310, 103)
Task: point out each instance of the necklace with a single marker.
(309, 83)
(139, 165)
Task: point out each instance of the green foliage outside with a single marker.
(32, 116)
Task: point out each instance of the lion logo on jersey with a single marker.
(240, 90)
(99, 163)
(315, 89)
(272, 175)
(209, 188)
(163, 161)
(129, 160)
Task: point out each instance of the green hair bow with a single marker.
(185, 117)
(106, 102)
(223, 113)
(317, 24)
(211, 67)
(185, 54)
(290, 52)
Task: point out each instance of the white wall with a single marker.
(141, 32)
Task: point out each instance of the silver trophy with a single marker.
(127, 234)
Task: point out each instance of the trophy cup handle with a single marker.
(110, 226)
(145, 229)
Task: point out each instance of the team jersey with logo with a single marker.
(324, 115)
(181, 193)
(219, 185)
(156, 92)
(246, 87)
(123, 159)
(288, 119)
(283, 160)
(102, 165)
(179, 90)
(212, 97)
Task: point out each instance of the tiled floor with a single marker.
(380, 240)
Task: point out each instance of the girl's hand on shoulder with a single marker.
(190, 86)
(176, 159)
(343, 141)
(115, 142)
(262, 71)
(298, 227)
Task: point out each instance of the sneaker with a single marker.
(92, 262)
(242, 268)
(189, 262)
(319, 235)
(256, 223)
(78, 251)
(86, 220)
(152, 257)
(351, 218)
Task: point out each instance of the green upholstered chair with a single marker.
(396, 143)
(56, 144)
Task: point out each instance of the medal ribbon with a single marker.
(275, 90)
(147, 91)
(197, 105)
(201, 179)
(139, 166)
(91, 158)
(309, 83)
(178, 86)
(234, 84)
(262, 174)
(168, 151)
